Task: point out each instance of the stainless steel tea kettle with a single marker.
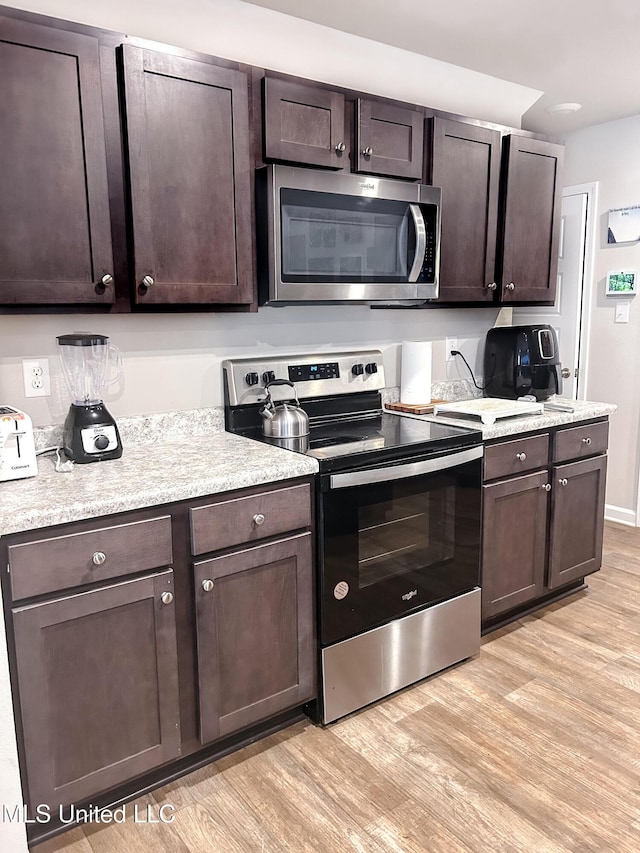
(283, 419)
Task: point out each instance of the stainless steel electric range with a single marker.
(398, 524)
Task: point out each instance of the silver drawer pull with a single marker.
(521, 457)
(546, 487)
(98, 558)
(368, 151)
(166, 597)
(511, 286)
(106, 280)
(492, 286)
(207, 585)
(563, 481)
(586, 441)
(340, 147)
(147, 281)
(258, 519)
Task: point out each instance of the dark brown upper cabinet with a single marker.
(389, 140)
(55, 232)
(531, 219)
(187, 129)
(304, 124)
(465, 162)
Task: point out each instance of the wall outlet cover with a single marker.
(37, 381)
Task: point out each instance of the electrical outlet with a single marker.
(37, 382)
(450, 343)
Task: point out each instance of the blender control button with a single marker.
(101, 442)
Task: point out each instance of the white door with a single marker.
(565, 316)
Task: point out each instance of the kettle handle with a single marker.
(281, 382)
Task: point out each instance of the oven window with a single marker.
(404, 535)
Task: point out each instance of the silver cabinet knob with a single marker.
(98, 558)
(511, 286)
(368, 151)
(166, 597)
(546, 487)
(586, 441)
(106, 280)
(258, 519)
(565, 373)
(147, 281)
(492, 286)
(521, 457)
(563, 481)
(207, 585)
(340, 147)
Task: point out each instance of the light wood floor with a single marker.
(534, 745)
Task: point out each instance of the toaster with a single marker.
(17, 451)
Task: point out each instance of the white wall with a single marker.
(173, 361)
(608, 153)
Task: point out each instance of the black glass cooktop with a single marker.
(372, 439)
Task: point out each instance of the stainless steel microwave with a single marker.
(331, 238)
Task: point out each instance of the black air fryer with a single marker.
(522, 360)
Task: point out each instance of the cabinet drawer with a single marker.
(574, 443)
(516, 457)
(233, 522)
(60, 562)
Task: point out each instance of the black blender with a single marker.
(90, 432)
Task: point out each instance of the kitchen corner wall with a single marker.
(608, 154)
(172, 361)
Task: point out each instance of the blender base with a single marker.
(91, 434)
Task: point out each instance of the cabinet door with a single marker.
(577, 520)
(389, 140)
(98, 684)
(304, 124)
(531, 220)
(188, 141)
(514, 542)
(465, 162)
(254, 617)
(55, 232)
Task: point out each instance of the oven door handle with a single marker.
(404, 470)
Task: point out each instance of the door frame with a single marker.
(583, 317)
(591, 191)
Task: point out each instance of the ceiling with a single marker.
(583, 51)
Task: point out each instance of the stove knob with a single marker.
(357, 369)
(372, 367)
(101, 442)
(268, 376)
(251, 378)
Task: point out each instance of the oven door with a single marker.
(397, 538)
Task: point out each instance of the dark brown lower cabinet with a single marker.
(256, 649)
(542, 530)
(514, 542)
(98, 683)
(577, 513)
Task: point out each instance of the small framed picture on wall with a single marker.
(622, 283)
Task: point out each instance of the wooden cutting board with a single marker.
(414, 408)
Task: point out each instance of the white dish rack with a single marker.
(489, 409)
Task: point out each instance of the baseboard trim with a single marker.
(621, 515)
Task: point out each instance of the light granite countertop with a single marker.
(148, 474)
(175, 456)
(514, 426)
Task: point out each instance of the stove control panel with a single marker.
(317, 375)
(312, 372)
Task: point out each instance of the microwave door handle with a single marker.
(402, 471)
(421, 242)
